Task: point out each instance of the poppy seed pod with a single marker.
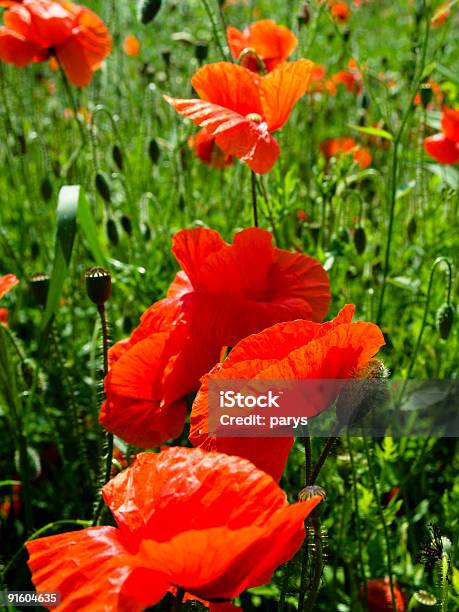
(362, 393)
(148, 9)
(102, 187)
(360, 240)
(422, 600)
(98, 285)
(444, 320)
(310, 492)
(166, 54)
(426, 94)
(39, 285)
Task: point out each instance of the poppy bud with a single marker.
(166, 54)
(343, 235)
(305, 15)
(314, 228)
(148, 9)
(98, 285)
(361, 394)
(426, 93)
(444, 320)
(126, 224)
(117, 156)
(201, 51)
(154, 151)
(102, 186)
(411, 228)
(112, 232)
(127, 325)
(346, 35)
(365, 101)
(39, 285)
(360, 240)
(34, 250)
(146, 231)
(21, 143)
(46, 188)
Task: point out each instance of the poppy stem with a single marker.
(106, 465)
(214, 29)
(374, 488)
(72, 100)
(317, 567)
(325, 451)
(254, 198)
(357, 517)
(394, 170)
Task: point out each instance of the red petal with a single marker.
(230, 86)
(7, 282)
(450, 124)
(281, 89)
(271, 41)
(14, 49)
(185, 489)
(442, 149)
(92, 569)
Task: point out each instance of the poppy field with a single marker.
(205, 206)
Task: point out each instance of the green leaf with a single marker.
(72, 207)
(67, 208)
(372, 131)
(9, 483)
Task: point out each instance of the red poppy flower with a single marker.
(205, 148)
(273, 43)
(241, 109)
(223, 293)
(173, 534)
(340, 11)
(4, 316)
(334, 147)
(296, 350)
(444, 147)
(7, 282)
(379, 596)
(37, 29)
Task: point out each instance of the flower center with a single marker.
(255, 117)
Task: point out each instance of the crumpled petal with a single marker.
(7, 282)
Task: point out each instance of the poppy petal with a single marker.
(281, 89)
(230, 86)
(191, 249)
(63, 563)
(272, 42)
(162, 495)
(14, 49)
(450, 123)
(7, 282)
(442, 149)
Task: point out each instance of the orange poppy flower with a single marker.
(273, 43)
(173, 534)
(444, 147)
(379, 596)
(340, 11)
(441, 14)
(241, 109)
(131, 45)
(223, 293)
(334, 147)
(299, 350)
(37, 29)
(7, 282)
(205, 148)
